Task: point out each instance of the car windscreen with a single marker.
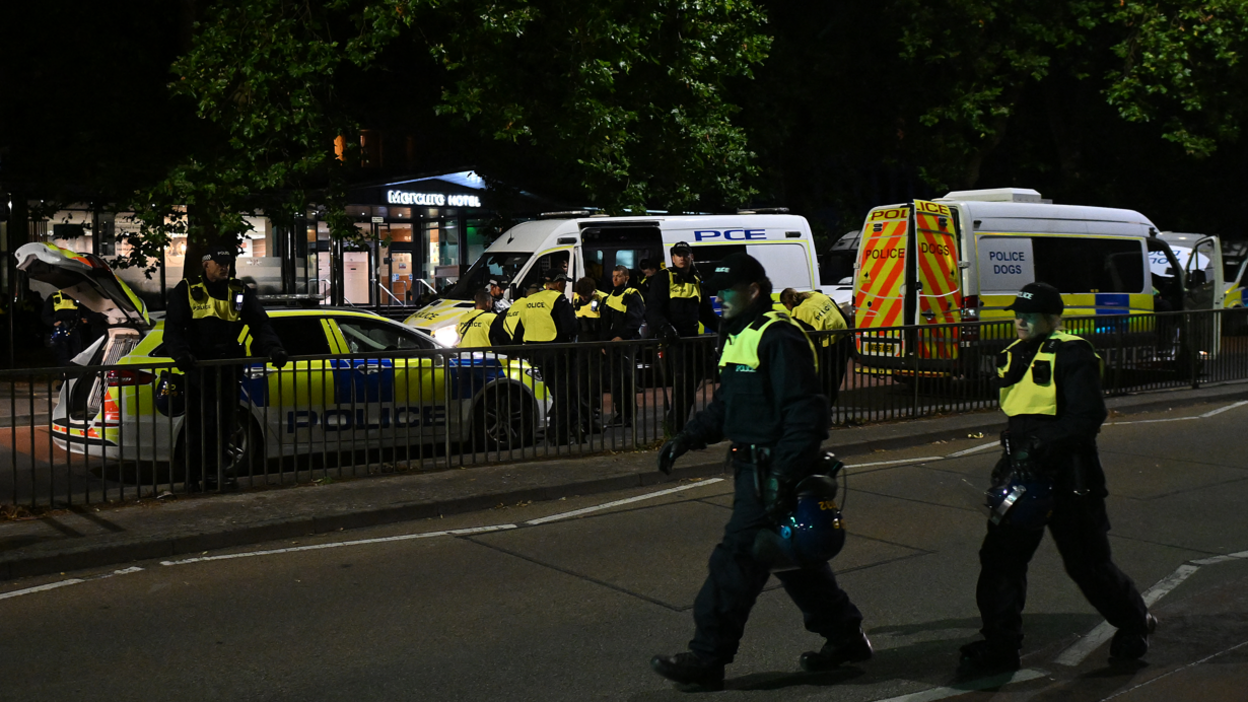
(497, 265)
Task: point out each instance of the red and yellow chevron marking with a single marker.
(878, 301)
(940, 297)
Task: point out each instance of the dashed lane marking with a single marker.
(995, 681)
(63, 583)
(617, 503)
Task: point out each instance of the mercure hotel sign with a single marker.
(406, 197)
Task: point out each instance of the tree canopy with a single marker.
(681, 105)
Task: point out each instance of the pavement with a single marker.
(93, 536)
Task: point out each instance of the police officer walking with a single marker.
(546, 317)
(768, 404)
(1051, 391)
(674, 308)
(625, 313)
(203, 322)
(474, 331)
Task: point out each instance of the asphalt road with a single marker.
(571, 608)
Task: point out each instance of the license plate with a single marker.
(882, 348)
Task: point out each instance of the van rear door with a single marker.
(908, 274)
(880, 281)
(938, 283)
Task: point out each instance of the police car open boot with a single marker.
(854, 649)
(689, 668)
(986, 658)
(1132, 645)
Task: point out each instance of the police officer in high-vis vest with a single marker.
(203, 322)
(769, 405)
(820, 313)
(546, 317)
(1051, 391)
(63, 314)
(674, 308)
(625, 313)
(474, 331)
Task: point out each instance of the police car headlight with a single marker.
(534, 373)
(446, 336)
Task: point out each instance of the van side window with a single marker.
(1081, 265)
(537, 272)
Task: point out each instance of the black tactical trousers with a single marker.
(686, 366)
(735, 579)
(622, 373)
(211, 418)
(559, 373)
(1080, 530)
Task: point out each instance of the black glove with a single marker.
(777, 496)
(1027, 458)
(278, 358)
(668, 335)
(185, 362)
(678, 446)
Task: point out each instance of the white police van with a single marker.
(582, 244)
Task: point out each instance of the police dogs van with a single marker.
(962, 257)
(592, 245)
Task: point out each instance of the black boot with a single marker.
(1132, 645)
(689, 668)
(855, 649)
(987, 658)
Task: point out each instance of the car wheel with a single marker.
(244, 451)
(503, 419)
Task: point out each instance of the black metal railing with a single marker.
(104, 433)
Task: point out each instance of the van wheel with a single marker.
(502, 420)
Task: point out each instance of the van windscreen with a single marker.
(498, 265)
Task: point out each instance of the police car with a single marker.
(356, 381)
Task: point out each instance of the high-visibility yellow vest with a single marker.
(690, 290)
(61, 302)
(593, 308)
(619, 302)
(204, 305)
(819, 311)
(510, 319)
(742, 348)
(535, 314)
(1036, 391)
(474, 332)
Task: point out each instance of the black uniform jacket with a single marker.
(681, 313)
(778, 405)
(211, 338)
(1070, 435)
(627, 324)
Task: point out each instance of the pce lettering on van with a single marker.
(730, 234)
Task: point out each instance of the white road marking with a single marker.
(41, 588)
(68, 581)
(1081, 649)
(340, 544)
(940, 693)
(976, 449)
(617, 503)
(433, 534)
(1206, 415)
(899, 461)
(1220, 410)
(1176, 670)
